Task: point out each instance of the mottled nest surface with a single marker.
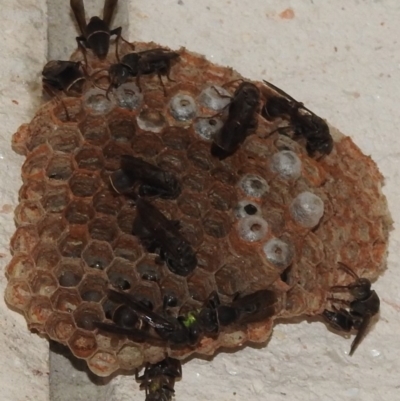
(74, 241)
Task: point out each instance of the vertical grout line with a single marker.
(61, 30)
(24, 355)
(69, 378)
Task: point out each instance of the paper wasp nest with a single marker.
(269, 216)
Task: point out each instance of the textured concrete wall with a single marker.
(342, 59)
(23, 355)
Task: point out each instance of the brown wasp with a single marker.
(65, 76)
(96, 34)
(303, 121)
(147, 62)
(241, 118)
(158, 233)
(158, 380)
(358, 313)
(186, 329)
(153, 180)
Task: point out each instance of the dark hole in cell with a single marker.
(255, 228)
(184, 103)
(92, 296)
(120, 281)
(93, 288)
(250, 209)
(148, 272)
(285, 275)
(256, 184)
(212, 122)
(125, 317)
(109, 307)
(69, 279)
(121, 284)
(86, 319)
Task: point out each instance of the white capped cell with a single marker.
(215, 97)
(247, 208)
(183, 107)
(96, 100)
(287, 164)
(252, 228)
(307, 209)
(278, 252)
(207, 128)
(128, 96)
(254, 185)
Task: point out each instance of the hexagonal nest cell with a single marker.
(269, 216)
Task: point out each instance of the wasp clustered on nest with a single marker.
(171, 207)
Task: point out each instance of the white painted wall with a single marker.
(339, 57)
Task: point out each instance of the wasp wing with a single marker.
(108, 11)
(79, 11)
(153, 319)
(362, 330)
(136, 335)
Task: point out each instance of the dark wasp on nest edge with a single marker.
(140, 323)
(158, 380)
(152, 180)
(146, 62)
(359, 312)
(241, 118)
(157, 232)
(303, 121)
(63, 76)
(96, 34)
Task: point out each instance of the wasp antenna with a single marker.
(348, 270)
